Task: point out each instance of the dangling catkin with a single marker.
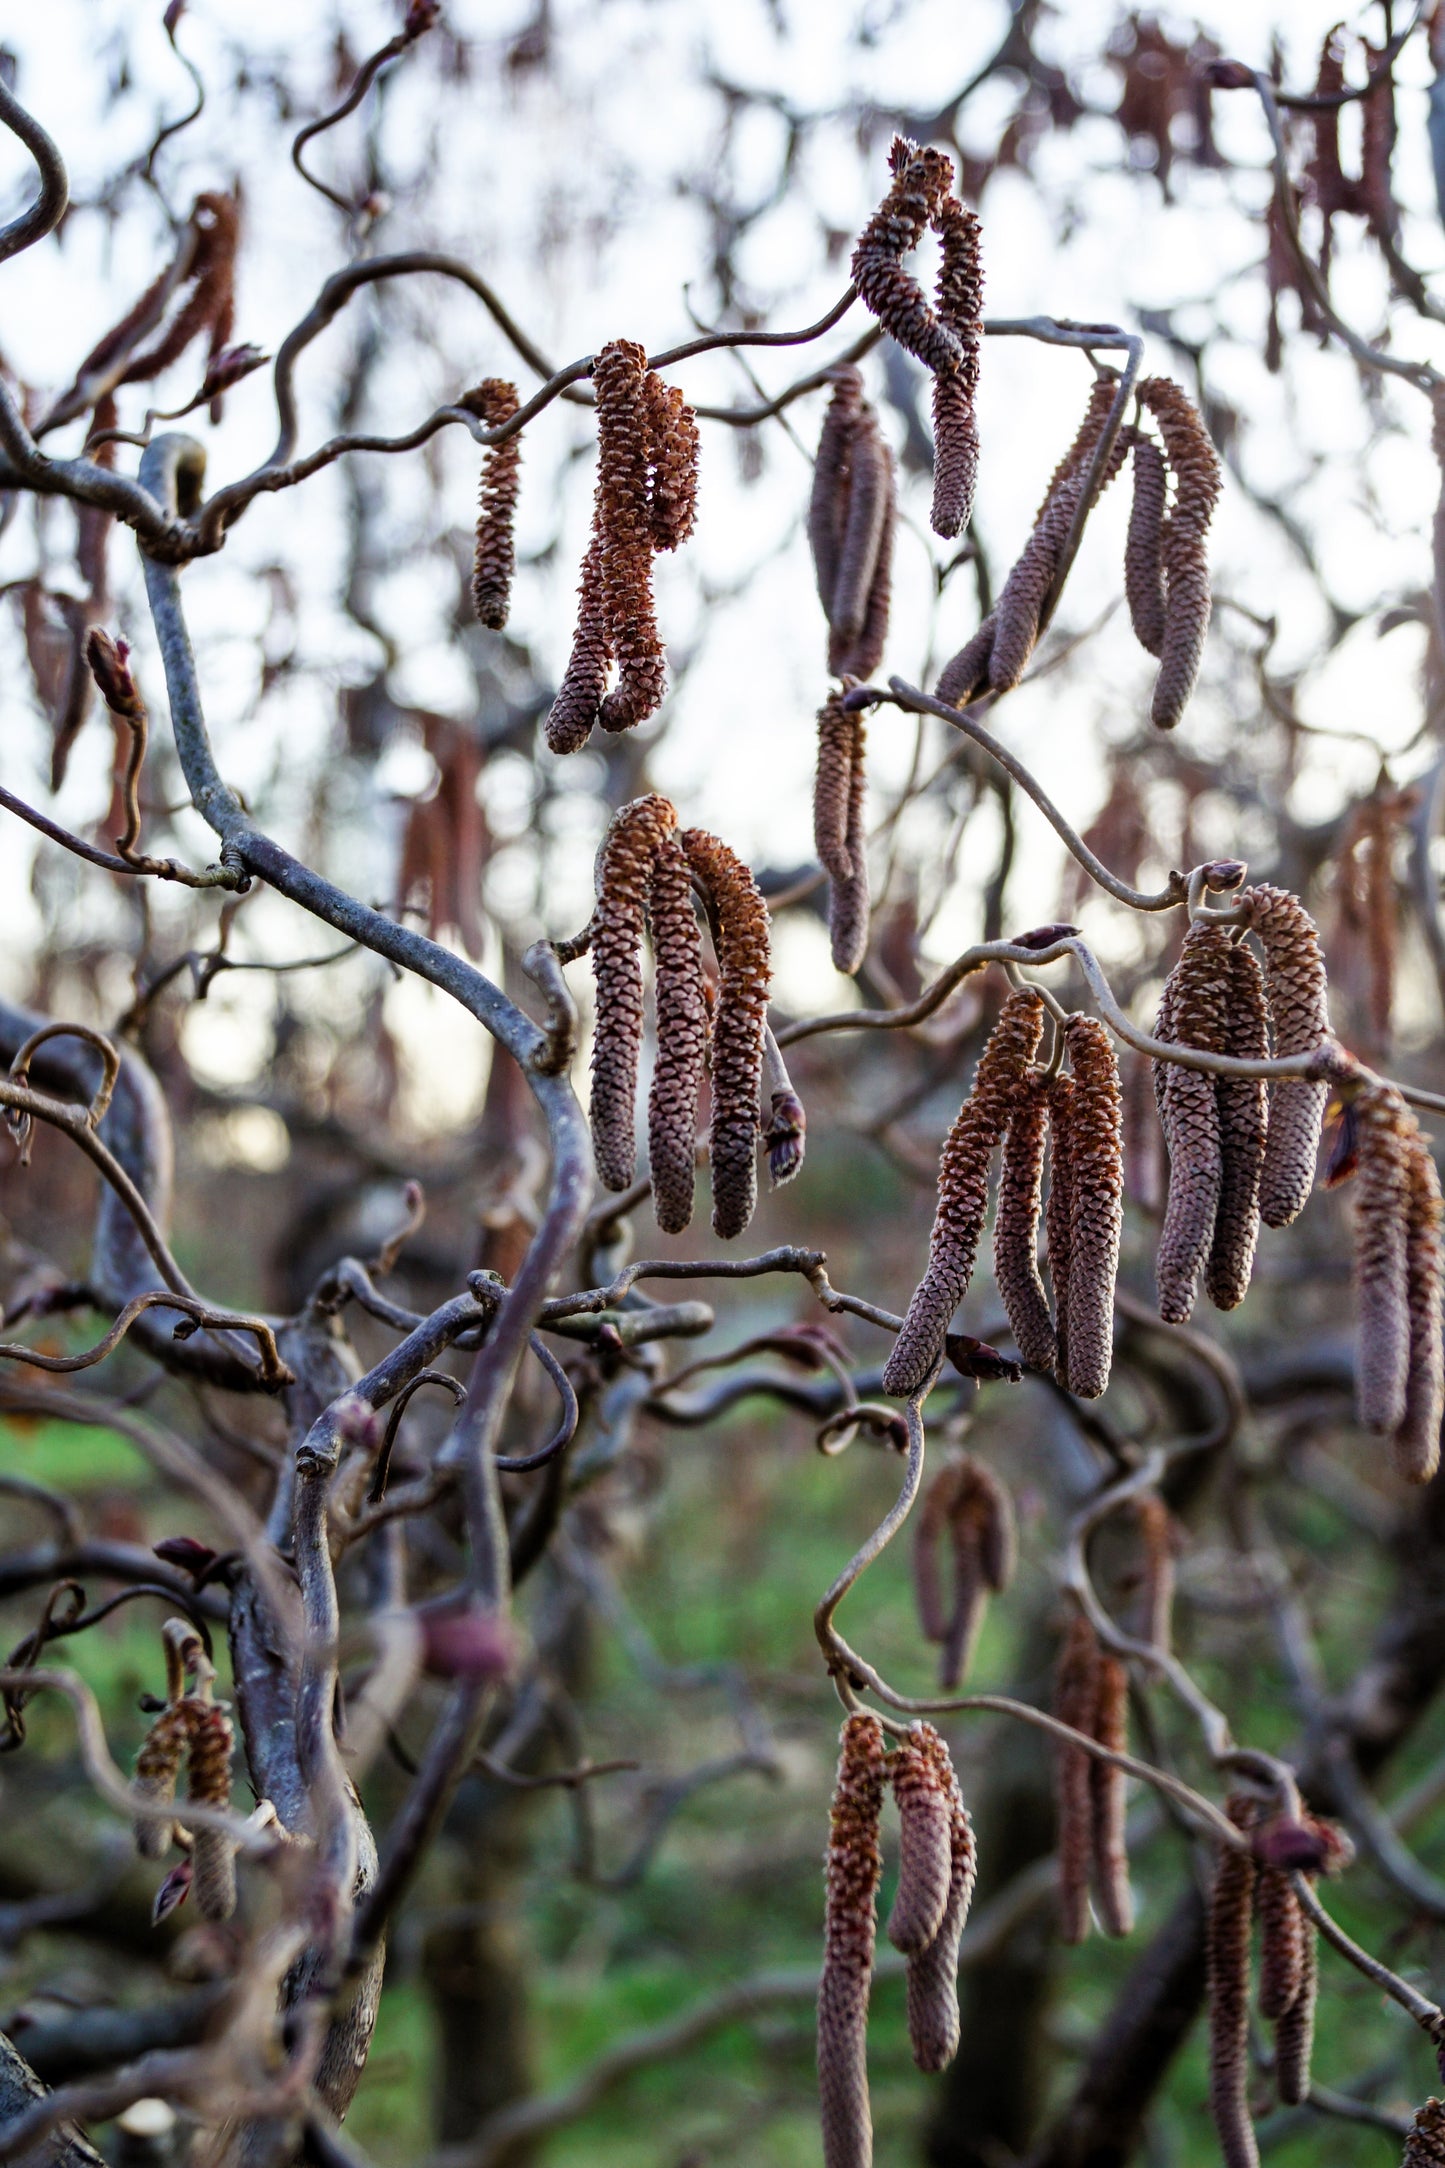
(495, 558)
(921, 179)
(208, 1783)
(984, 1543)
(624, 872)
(955, 425)
(1294, 977)
(1187, 605)
(963, 1190)
(863, 657)
(625, 519)
(966, 675)
(832, 782)
(740, 921)
(672, 451)
(1156, 1580)
(1231, 1910)
(1294, 2033)
(1143, 551)
(1193, 1013)
(157, 1766)
(869, 487)
(1016, 1226)
(574, 712)
(1243, 1112)
(1113, 1899)
(1059, 1211)
(1382, 1218)
(681, 1003)
(848, 894)
(1417, 1441)
(1425, 2144)
(1281, 1943)
(1076, 1701)
(929, 1525)
(925, 1862)
(855, 1862)
(828, 505)
(1096, 1204)
(931, 1974)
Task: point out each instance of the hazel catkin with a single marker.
(1382, 1218)
(1298, 995)
(1187, 602)
(624, 874)
(1016, 1226)
(1096, 1205)
(681, 1003)
(924, 1857)
(1113, 1899)
(1231, 1911)
(931, 1974)
(741, 934)
(955, 424)
(1075, 1703)
(854, 1865)
(1417, 1439)
(495, 555)
(1243, 1116)
(157, 1766)
(1144, 548)
(1193, 1013)
(921, 179)
(208, 1783)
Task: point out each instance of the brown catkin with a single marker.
(681, 1001)
(921, 179)
(624, 516)
(1058, 1212)
(1076, 1700)
(1295, 982)
(1417, 1441)
(1113, 1899)
(574, 712)
(869, 485)
(955, 425)
(855, 1863)
(1197, 482)
(624, 874)
(929, 1526)
(1156, 1579)
(931, 1975)
(1382, 1219)
(1243, 1115)
(866, 652)
(208, 1783)
(965, 676)
(925, 1862)
(495, 557)
(849, 899)
(963, 1190)
(1425, 2143)
(1144, 548)
(1281, 1943)
(1096, 1204)
(744, 955)
(157, 1766)
(672, 451)
(832, 782)
(1294, 2034)
(828, 505)
(984, 1542)
(1231, 1910)
(1193, 1013)
(1016, 1227)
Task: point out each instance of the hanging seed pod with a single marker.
(624, 874)
(862, 658)
(1096, 1204)
(925, 1862)
(1144, 548)
(1231, 1911)
(1113, 1899)
(1294, 2034)
(963, 1190)
(1197, 483)
(1425, 2145)
(1193, 1014)
(849, 896)
(828, 504)
(157, 1766)
(832, 783)
(1281, 1943)
(985, 1549)
(955, 425)
(1016, 1227)
(931, 1975)
(869, 488)
(1294, 977)
(1076, 1701)
(672, 451)
(741, 937)
(1243, 1117)
(1382, 1219)
(1156, 1581)
(208, 1784)
(625, 527)
(495, 557)
(681, 1036)
(855, 1863)
(1059, 1211)
(574, 712)
(921, 179)
(1417, 1441)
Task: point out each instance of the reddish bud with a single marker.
(1311, 1847)
(1043, 937)
(976, 1359)
(172, 1893)
(186, 1553)
(470, 1644)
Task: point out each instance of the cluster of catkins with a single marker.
(647, 872)
(1166, 566)
(1252, 1885)
(194, 1729)
(936, 1871)
(646, 500)
(1078, 1113)
(968, 1507)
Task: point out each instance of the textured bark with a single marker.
(19, 2091)
(963, 1190)
(1294, 976)
(855, 1862)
